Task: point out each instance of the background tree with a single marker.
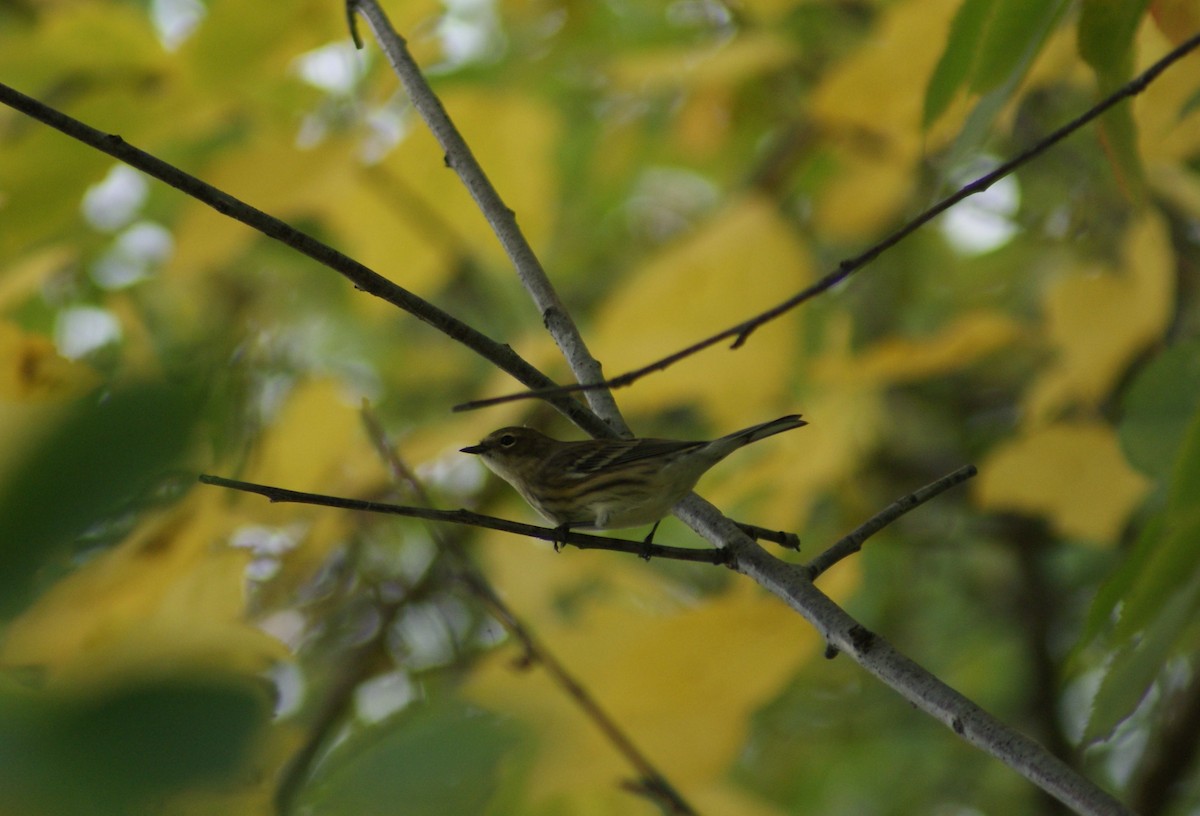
(678, 167)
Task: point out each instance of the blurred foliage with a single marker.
(116, 750)
(678, 166)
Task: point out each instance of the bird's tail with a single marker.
(765, 429)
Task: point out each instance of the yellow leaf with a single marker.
(164, 596)
(785, 476)
(31, 369)
(67, 45)
(238, 41)
(775, 483)
(1178, 186)
(312, 443)
(34, 382)
(731, 62)
(881, 85)
(703, 125)
(867, 192)
(1099, 320)
(652, 668)
(871, 105)
(265, 172)
(513, 136)
(956, 345)
(23, 277)
(1074, 474)
(745, 260)
(175, 589)
(316, 443)
(376, 228)
(1165, 136)
(1178, 19)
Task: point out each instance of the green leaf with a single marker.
(1159, 407)
(443, 758)
(1134, 667)
(110, 449)
(1015, 35)
(1007, 51)
(1106, 32)
(1172, 558)
(121, 750)
(958, 58)
(991, 45)
(1106, 38)
(1141, 616)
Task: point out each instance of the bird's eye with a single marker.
(507, 441)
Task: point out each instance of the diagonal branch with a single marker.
(922, 689)
(502, 219)
(852, 543)
(741, 332)
(361, 276)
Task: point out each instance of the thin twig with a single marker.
(502, 219)
(651, 782)
(361, 276)
(789, 541)
(741, 332)
(581, 541)
(852, 543)
(334, 708)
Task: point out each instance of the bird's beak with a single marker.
(473, 449)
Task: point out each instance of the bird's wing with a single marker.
(590, 458)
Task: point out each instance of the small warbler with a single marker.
(609, 484)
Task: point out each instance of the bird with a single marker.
(609, 484)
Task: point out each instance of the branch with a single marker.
(741, 332)
(853, 543)
(921, 688)
(582, 541)
(361, 276)
(502, 219)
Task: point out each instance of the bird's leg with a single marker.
(560, 536)
(649, 540)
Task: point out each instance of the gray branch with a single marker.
(501, 218)
(842, 633)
